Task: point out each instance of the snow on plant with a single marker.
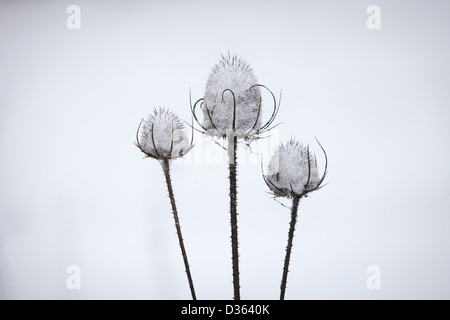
(232, 79)
(162, 137)
(293, 170)
(232, 103)
(293, 173)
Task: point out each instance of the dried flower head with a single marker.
(293, 171)
(232, 101)
(162, 136)
(232, 79)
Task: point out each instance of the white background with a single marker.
(74, 190)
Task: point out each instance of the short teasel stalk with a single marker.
(163, 138)
(294, 209)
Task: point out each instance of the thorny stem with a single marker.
(166, 169)
(232, 164)
(294, 209)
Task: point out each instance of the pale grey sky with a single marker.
(74, 190)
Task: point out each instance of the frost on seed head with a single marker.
(231, 86)
(162, 136)
(293, 171)
(232, 102)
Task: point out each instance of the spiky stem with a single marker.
(294, 209)
(166, 168)
(232, 164)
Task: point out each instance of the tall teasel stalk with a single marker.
(232, 110)
(293, 173)
(163, 138)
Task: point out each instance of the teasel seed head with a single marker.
(162, 136)
(293, 171)
(232, 104)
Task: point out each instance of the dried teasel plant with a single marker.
(162, 137)
(293, 173)
(232, 110)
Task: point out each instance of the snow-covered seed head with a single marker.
(232, 101)
(293, 171)
(162, 136)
